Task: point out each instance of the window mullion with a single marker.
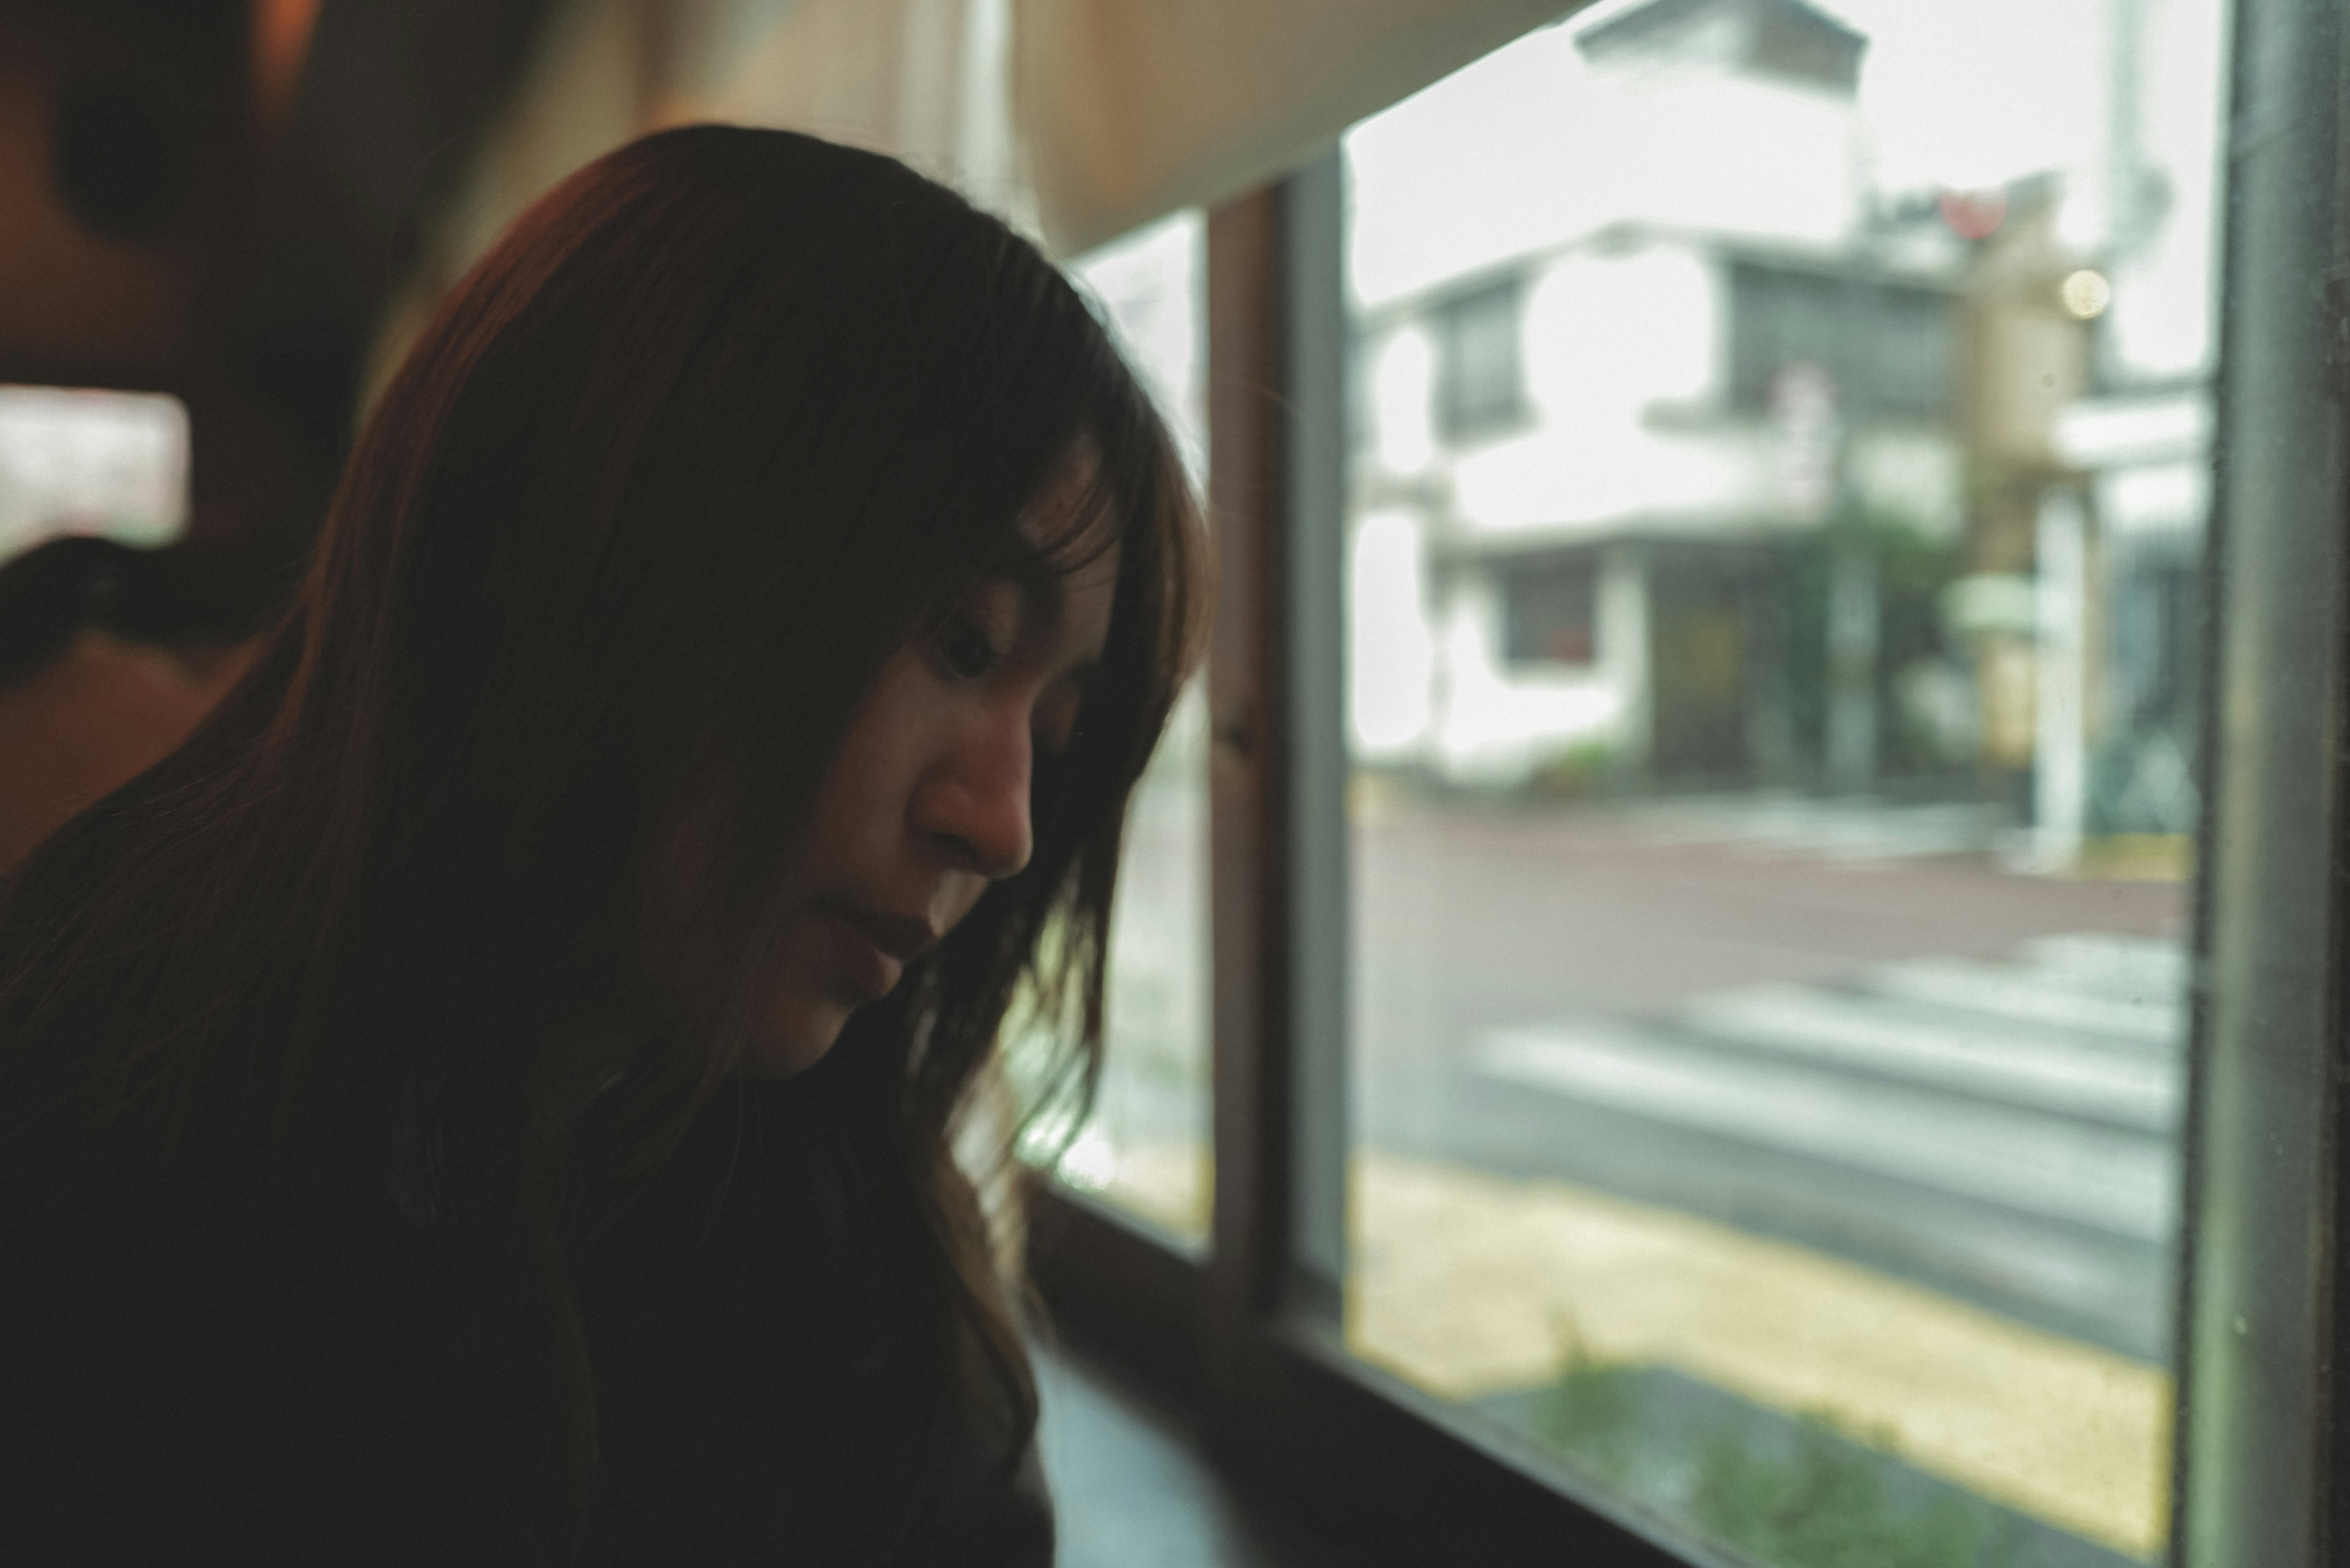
(2257, 1336)
(1248, 445)
(1276, 418)
(1315, 623)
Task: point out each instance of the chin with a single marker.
(793, 1039)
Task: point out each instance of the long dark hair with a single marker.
(724, 420)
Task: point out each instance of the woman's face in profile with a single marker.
(927, 801)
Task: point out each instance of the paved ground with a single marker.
(1469, 919)
(1836, 1025)
(1923, 1063)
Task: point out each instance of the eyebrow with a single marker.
(1044, 599)
(1041, 594)
(1040, 578)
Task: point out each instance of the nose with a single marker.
(974, 807)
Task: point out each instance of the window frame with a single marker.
(2262, 1390)
(1246, 1334)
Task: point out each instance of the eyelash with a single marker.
(965, 650)
(968, 654)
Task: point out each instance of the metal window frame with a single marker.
(1247, 1333)
(2261, 1394)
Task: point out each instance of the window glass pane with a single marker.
(1145, 1147)
(1776, 524)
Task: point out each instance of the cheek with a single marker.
(872, 778)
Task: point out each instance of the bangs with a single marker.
(1075, 524)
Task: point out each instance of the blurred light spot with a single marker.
(2086, 293)
(281, 42)
(1090, 1163)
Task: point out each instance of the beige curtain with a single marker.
(1077, 119)
(1130, 108)
(1082, 119)
(925, 80)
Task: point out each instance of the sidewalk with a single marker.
(1471, 1285)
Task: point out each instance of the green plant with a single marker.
(1592, 1411)
(1800, 1493)
(1825, 1506)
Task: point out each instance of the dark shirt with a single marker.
(177, 1384)
(760, 1347)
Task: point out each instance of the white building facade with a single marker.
(1664, 402)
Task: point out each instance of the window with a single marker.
(1796, 1137)
(1480, 380)
(1889, 346)
(1847, 1073)
(75, 460)
(1548, 610)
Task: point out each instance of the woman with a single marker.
(487, 1096)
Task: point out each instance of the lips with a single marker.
(871, 949)
(902, 937)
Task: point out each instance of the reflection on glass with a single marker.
(1145, 1147)
(1777, 506)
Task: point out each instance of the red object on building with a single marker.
(1973, 214)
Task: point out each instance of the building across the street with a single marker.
(1681, 469)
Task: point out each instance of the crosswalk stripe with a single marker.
(2100, 963)
(2111, 1180)
(2027, 996)
(1953, 1051)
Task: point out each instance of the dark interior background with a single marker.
(216, 198)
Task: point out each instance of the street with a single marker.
(1801, 1025)
(1841, 1026)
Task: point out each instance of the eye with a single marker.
(965, 650)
